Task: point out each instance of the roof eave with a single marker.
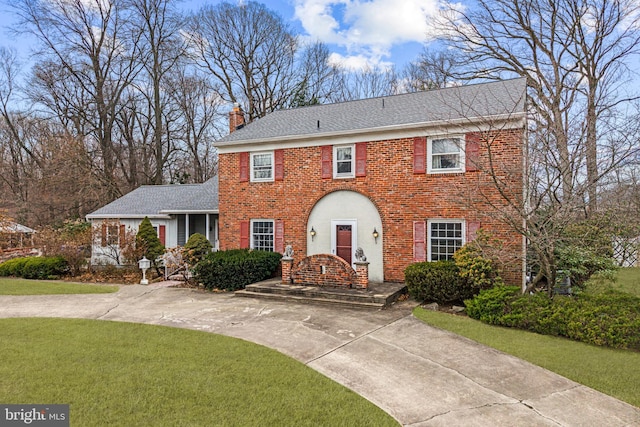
(516, 118)
(127, 216)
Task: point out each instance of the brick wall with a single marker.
(401, 196)
(324, 270)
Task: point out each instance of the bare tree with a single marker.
(319, 81)
(369, 82)
(433, 69)
(250, 51)
(573, 54)
(199, 103)
(161, 40)
(97, 46)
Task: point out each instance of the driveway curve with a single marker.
(422, 376)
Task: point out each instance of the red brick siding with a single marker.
(400, 195)
(336, 272)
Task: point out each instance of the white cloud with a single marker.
(367, 30)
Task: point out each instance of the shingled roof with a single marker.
(471, 103)
(158, 201)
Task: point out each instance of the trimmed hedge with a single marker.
(13, 267)
(436, 281)
(35, 267)
(610, 319)
(235, 269)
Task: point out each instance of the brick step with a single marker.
(375, 297)
(308, 299)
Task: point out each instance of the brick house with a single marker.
(407, 178)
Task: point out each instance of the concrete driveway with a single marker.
(421, 375)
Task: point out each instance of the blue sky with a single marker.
(358, 32)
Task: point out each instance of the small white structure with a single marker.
(176, 212)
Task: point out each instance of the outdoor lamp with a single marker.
(375, 234)
(144, 265)
(313, 233)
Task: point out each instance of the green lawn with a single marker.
(614, 372)
(12, 286)
(627, 280)
(124, 374)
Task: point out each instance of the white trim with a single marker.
(461, 153)
(449, 221)
(272, 168)
(351, 174)
(354, 236)
(126, 216)
(433, 128)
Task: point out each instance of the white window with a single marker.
(262, 166)
(262, 235)
(446, 155)
(344, 161)
(445, 237)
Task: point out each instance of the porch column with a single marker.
(187, 234)
(207, 224)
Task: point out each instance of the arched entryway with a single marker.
(342, 222)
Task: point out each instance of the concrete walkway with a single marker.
(420, 375)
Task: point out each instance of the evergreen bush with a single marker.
(609, 319)
(235, 269)
(43, 268)
(438, 281)
(148, 242)
(196, 248)
(13, 267)
(35, 267)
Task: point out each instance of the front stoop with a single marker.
(377, 296)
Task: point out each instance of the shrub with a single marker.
(196, 248)
(436, 281)
(491, 304)
(235, 269)
(478, 271)
(581, 263)
(13, 267)
(35, 267)
(610, 319)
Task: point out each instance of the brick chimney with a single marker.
(236, 118)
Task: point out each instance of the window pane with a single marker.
(344, 167)
(343, 153)
(440, 146)
(446, 161)
(262, 160)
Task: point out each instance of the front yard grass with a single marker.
(627, 280)
(124, 374)
(14, 286)
(613, 372)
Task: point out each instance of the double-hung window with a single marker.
(262, 235)
(262, 166)
(446, 155)
(344, 161)
(445, 237)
